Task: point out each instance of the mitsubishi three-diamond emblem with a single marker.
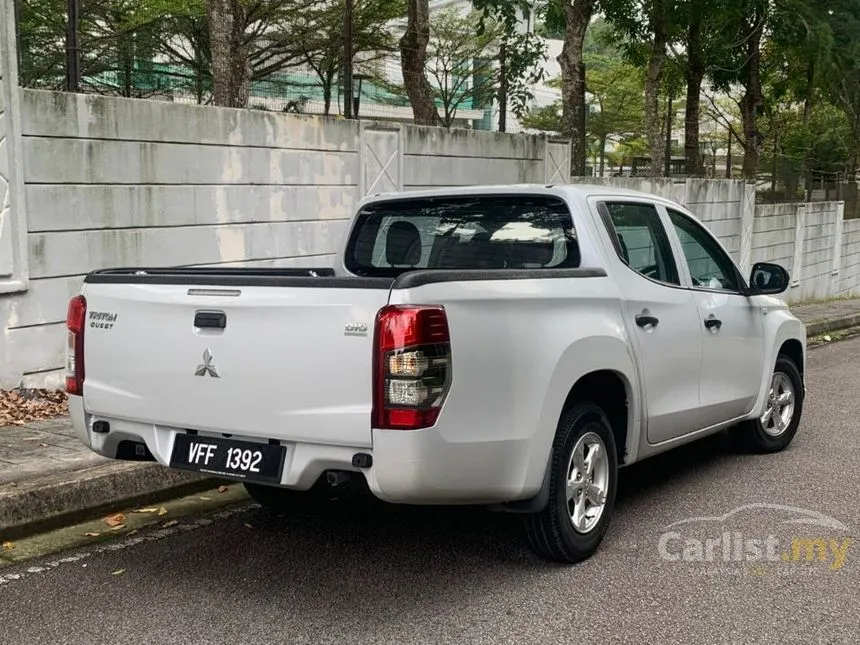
(206, 367)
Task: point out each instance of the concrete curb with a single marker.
(818, 327)
(47, 502)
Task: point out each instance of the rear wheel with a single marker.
(583, 481)
(775, 428)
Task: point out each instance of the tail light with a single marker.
(75, 322)
(412, 366)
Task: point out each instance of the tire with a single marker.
(551, 533)
(754, 435)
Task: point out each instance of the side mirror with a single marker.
(767, 278)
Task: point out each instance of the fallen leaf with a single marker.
(23, 405)
(162, 511)
(167, 525)
(8, 545)
(114, 520)
(146, 510)
(117, 572)
(222, 489)
(92, 534)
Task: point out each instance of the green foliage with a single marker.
(525, 52)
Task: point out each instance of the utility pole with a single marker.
(503, 87)
(73, 51)
(347, 61)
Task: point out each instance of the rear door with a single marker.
(730, 324)
(661, 316)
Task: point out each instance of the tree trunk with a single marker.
(577, 15)
(327, 96)
(695, 74)
(413, 56)
(653, 117)
(810, 92)
(602, 155)
(752, 99)
(231, 67)
(855, 135)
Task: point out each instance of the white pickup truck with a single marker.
(508, 346)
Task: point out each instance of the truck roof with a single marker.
(580, 190)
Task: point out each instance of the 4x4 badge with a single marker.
(206, 367)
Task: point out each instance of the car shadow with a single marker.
(479, 534)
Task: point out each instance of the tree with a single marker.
(646, 29)
(413, 58)
(617, 90)
(186, 45)
(738, 61)
(41, 43)
(460, 62)
(521, 53)
(318, 36)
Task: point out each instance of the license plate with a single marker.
(228, 458)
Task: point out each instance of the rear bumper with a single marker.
(414, 467)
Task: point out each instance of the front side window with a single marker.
(710, 267)
(468, 232)
(640, 239)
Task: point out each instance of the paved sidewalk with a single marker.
(828, 315)
(48, 476)
(42, 447)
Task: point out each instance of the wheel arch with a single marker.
(596, 367)
(784, 335)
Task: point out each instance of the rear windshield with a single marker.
(472, 232)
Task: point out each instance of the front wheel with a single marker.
(583, 481)
(778, 424)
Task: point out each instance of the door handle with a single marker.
(713, 322)
(643, 320)
(210, 319)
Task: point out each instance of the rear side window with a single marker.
(640, 239)
(470, 232)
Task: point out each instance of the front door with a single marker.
(729, 323)
(660, 315)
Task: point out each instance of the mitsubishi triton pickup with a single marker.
(502, 346)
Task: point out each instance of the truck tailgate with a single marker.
(290, 363)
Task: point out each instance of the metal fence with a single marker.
(159, 49)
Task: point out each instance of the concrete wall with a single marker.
(94, 182)
(813, 241)
(120, 182)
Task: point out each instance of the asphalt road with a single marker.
(407, 575)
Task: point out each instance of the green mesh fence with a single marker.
(159, 49)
